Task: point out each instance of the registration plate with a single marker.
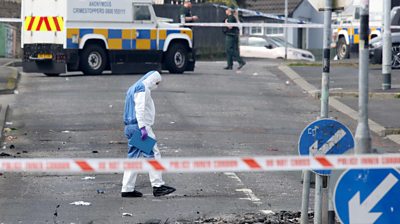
(45, 56)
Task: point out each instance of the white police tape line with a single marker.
(241, 25)
(10, 20)
(218, 164)
(280, 25)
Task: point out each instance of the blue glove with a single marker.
(143, 131)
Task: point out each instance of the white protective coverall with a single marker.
(140, 112)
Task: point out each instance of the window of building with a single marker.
(256, 31)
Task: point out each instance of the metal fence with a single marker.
(8, 41)
(208, 41)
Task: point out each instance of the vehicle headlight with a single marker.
(75, 39)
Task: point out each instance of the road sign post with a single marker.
(323, 137)
(286, 29)
(368, 196)
(363, 136)
(319, 192)
(387, 47)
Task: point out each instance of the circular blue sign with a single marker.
(368, 196)
(325, 137)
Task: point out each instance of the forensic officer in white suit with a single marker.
(139, 116)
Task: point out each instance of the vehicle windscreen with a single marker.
(257, 42)
(278, 42)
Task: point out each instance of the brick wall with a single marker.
(12, 9)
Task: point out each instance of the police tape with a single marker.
(186, 165)
(282, 25)
(10, 20)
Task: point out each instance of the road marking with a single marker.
(234, 176)
(248, 192)
(250, 196)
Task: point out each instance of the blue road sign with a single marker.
(368, 196)
(325, 137)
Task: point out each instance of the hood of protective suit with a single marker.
(152, 80)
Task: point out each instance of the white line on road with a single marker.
(248, 192)
(250, 196)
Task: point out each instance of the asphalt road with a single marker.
(211, 112)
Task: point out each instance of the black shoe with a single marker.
(133, 194)
(163, 190)
(241, 65)
(228, 68)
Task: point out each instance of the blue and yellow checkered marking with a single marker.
(126, 39)
(354, 35)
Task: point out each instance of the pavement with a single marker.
(383, 105)
(8, 76)
(8, 83)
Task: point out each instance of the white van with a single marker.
(92, 36)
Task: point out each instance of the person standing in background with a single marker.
(232, 40)
(186, 13)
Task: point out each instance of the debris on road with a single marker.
(127, 214)
(3, 154)
(80, 203)
(88, 178)
(56, 211)
(281, 217)
(268, 212)
(272, 149)
(11, 138)
(99, 191)
(95, 151)
(118, 142)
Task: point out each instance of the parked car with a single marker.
(271, 47)
(375, 50)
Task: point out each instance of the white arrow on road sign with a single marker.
(359, 212)
(328, 145)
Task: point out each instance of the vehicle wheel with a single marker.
(52, 74)
(93, 60)
(176, 58)
(343, 50)
(396, 56)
